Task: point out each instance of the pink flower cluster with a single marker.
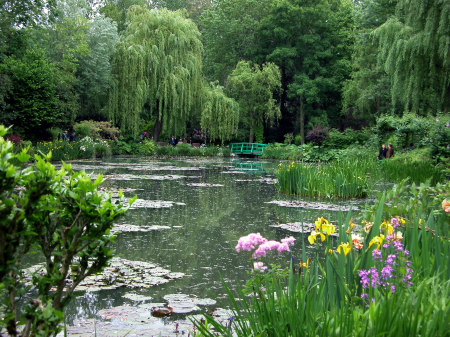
(254, 240)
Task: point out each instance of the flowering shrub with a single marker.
(13, 138)
(260, 245)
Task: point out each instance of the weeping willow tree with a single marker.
(157, 71)
(415, 51)
(220, 114)
(253, 86)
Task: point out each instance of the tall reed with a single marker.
(342, 179)
(331, 298)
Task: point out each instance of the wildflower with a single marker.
(319, 222)
(313, 236)
(367, 226)
(259, 266)
(330, 251)
(345, 247)
(387, 227)
(398, 236)
(250, 242)
(305, 265)
(378, 240)
(357, 241)
(446, 205)
(351, 225)
(329, 228)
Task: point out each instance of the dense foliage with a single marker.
(59, 214)
(148, 66)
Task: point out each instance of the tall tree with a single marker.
(31, 104)
(95, 68)
(117, 10)
(415, 51)
(253, 86)
(65, 44)
(311, 42)
(366, 94)
(220, 114)
(229, 33)
(157, 70)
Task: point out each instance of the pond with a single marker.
(188, 218)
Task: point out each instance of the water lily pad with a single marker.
(182, 303)
(125, 176)
(297, 227)
(312, 205)
(123, 228)
(137, 297)
(141, 203)
(204, 185)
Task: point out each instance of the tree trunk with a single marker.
(250, 137)
(302, 121)
(157, 130)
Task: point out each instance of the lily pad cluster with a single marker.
(204, 185)
(120, 273)
(312, 205)
(126, 228)
(141, 203)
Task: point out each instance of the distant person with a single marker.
(382, 153)
(65, 136)
(59, 136)
(390, 151)
(173, 141)
(411, 146)
(72, 137)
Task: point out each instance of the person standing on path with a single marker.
(390, 151)
(382, 153)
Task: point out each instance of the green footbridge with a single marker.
(248, 149)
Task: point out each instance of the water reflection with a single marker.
(203, 233)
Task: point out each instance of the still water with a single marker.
(202, 227)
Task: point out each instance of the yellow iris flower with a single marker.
(378, 240)
(345, 247)
(306, 265)
(387, 227)
(329, 228)
(313, 236)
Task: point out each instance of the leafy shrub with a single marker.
(96, 130)
(225, 151)
(13, 138)
(349, 137)
(50, 211)
(163, 150)
(148, 147)
(317, 135)
(182, 149)
(210, 151)
(102, 149)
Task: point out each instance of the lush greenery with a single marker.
(59, 214)
(389, 279)
(240, 69)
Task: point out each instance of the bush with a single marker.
(148, 147)
(347, 138)
(182, 149)
(102, 149)
(50, 211)
(317, 135)
(96, 130)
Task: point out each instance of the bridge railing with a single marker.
(248, 148)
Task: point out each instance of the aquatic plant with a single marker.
(342, 179)
(366, 286)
